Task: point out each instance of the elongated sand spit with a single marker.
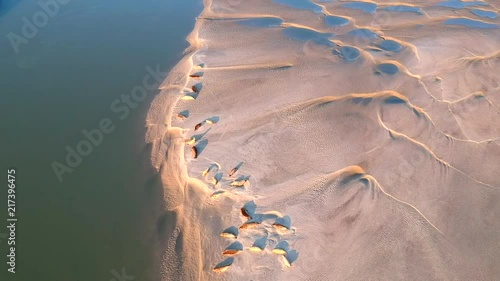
(363, 136)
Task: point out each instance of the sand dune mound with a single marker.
(332, 140)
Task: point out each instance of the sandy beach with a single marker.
(332, 140)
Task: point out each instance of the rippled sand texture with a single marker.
(373, 126)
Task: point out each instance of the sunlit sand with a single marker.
(332, 140)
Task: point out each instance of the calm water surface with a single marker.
(62, 81)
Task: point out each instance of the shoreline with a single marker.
(345, 133)
(180, 249)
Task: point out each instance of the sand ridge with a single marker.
(332, 140)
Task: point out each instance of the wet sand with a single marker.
(327, 140)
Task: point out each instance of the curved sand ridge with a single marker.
(326, 140)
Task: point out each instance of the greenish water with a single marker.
(62, 81)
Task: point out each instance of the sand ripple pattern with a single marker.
(332, 140)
